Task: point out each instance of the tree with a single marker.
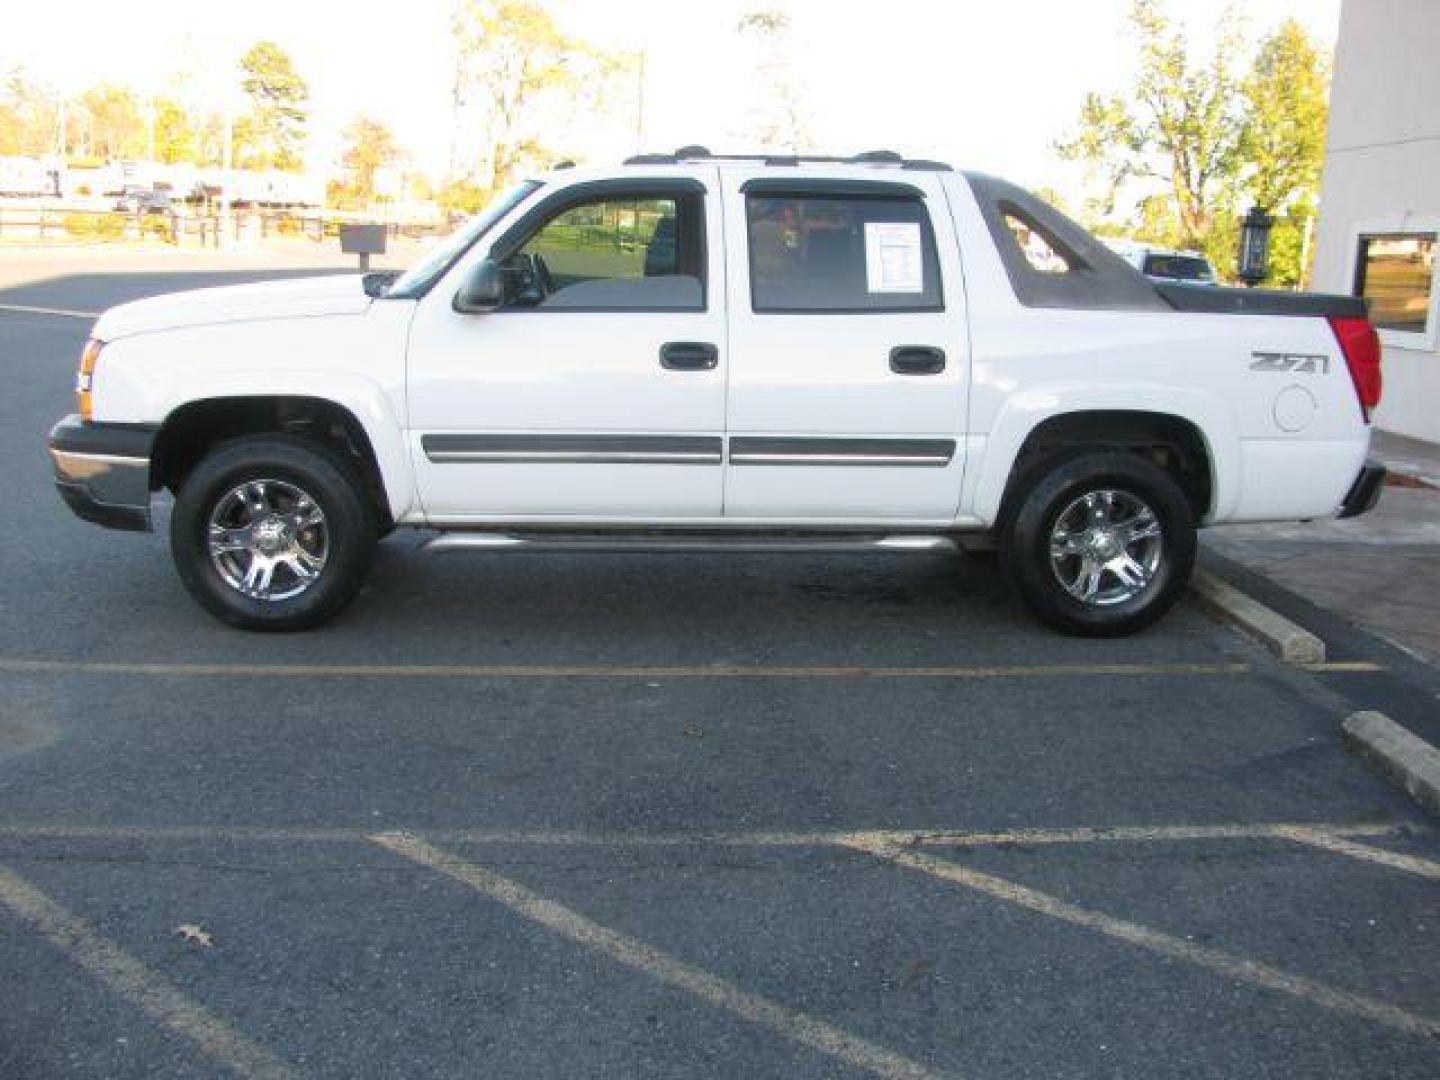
(1287, 98)
(177, 137)
(29, 117)
(12, 130)
(1201, 142)
(515, 68)
(777, 117)
(370, 146)
(1180, 124)
(462, 197)
(272, 134)
(117, 129)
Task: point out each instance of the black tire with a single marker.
(349, 523)
(1060, 490)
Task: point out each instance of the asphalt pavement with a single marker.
(668, 816)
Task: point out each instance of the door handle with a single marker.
(689, 356)
(917, 360)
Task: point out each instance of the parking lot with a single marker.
(665, 816)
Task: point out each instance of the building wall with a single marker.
(1382, 173)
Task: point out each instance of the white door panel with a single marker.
(562, 371)
(848, 432)
(893, 493)
(831, 373)
(561, 412)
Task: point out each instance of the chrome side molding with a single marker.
(707, 543)
(573, 449)
(805, 450)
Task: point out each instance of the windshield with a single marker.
(418, 279)
(1179, 267)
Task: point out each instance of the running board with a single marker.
(901, 543)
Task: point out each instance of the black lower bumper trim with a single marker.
(1364, 492)
(102, 471)
(111, 515)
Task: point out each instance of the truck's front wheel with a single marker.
(272, 532)
(1101, 544)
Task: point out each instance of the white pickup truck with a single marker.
(689, 352)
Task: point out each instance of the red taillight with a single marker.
(1361, 346)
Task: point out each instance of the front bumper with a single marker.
(1364, 492)
(103, 471)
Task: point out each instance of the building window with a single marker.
(1396, 273)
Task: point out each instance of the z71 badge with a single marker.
(1294, 363)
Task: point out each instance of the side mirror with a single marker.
(482, 290)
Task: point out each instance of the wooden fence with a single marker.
(42, 225)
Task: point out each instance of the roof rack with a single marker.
(869, 157)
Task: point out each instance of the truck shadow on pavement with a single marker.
(94, 292)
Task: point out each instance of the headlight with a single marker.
(85, 380)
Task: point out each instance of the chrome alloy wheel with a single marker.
(268, 540)
(1105, 547)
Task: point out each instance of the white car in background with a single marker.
(1167, 264)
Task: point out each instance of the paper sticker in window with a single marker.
(893, 262)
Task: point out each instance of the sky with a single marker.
(981, 84)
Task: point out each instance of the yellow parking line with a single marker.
(23, 309)
(795, 1025)
(44, 666)
(1329, 840)
(129, 978)
(1223, 963)
(18, 665)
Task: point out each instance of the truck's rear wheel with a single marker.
(1102, 544)
(272, 532)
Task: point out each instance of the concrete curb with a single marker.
(1405, 757)
(1291, 643)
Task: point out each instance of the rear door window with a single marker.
(841, 253)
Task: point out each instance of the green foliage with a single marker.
(12, 130)
(1206, 142)
(369, 147)
(177, 138)
(94, 226)
(463, 197)
(1179, 125)
(157, 227)
(1053, 197)
(1287, 96)
(511, 59)
(1283, 144)
(29, 116)
(272, 135)
(106, 122)
(116, 127)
